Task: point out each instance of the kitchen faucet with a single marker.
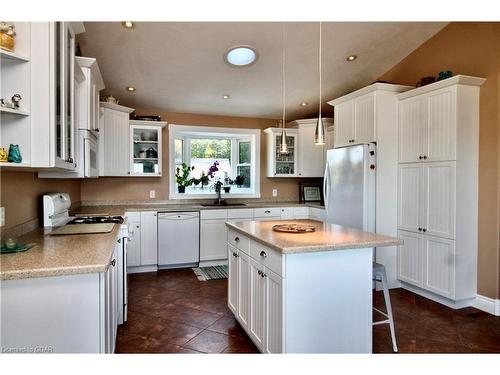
(218, 190)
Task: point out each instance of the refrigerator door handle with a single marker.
(326, 178)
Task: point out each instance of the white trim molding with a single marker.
(487, 304)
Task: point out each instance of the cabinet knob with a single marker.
(300, 174)
(236, 239)
(420, 157)
(235, 255)
(425, 156)
(119, 240)
(113, 262)
(420, 229)
(424, 230)
(267, 212)
(259, 272)
(263, 254)
(137, 227)
(262, 274)
(97, 130)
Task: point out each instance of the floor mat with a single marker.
(211, 273)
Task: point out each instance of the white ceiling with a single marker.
(179, 67)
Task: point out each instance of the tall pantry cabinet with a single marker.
(438, 189)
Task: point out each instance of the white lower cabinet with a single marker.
(213, 235)
(257, 326)
(149, 238)
(243, 311)
(233, 277)
(410, 259)
(274, 312)
(142, 249)
(111, 304)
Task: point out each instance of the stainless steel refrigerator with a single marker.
(349, 186)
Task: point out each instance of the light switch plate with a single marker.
(275, 192)
(152, 194)
(2, 216)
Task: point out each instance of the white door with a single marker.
(412, 129)
(213, 240)
(232, 284)
(441, 131)
(274, 313)
(410, 259)
(134, 245)
(344, 123)
(149, 238)
(243, 289)
(364, 119)
(116, 143)
(410, 196)
(311, 161)
(439, 199)
(257, 317)
(439, 266)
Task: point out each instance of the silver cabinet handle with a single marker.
(113, 262)
(236, 239)
(263, 254)
(267, 212)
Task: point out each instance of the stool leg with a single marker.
(387, 300)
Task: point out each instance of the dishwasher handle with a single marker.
(175, 216)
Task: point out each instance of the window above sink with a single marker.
(234, 151)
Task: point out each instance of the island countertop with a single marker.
(327, 237)
(59, 255)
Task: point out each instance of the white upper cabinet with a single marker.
(359, 113)
(411, 130)
(89, 92)
(146, 147)
(281, 165)
(114, 140)
(410, 197)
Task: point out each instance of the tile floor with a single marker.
(172, 312)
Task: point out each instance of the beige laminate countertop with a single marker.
(327, 237)
(59, 255)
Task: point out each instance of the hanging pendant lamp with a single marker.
(320, 128)
(283, 146)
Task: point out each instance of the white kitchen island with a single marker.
(303, 292)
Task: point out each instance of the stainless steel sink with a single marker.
(222, 204)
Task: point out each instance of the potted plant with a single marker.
(239, 180)
(182, 177)
(204, 179)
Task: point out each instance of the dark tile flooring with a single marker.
(172, 312)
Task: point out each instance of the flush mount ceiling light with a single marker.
(130, 88)
(128, 24)
(241, 56)
(304, 104)
(226, 97)
(351, 57)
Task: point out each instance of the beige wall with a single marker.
(21, 192)
(472, 49)
(127, 188)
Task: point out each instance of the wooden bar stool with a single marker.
(380, 276)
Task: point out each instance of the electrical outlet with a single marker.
(2, 216)
(275, 192)
(152, 194)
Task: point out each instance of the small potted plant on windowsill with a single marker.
(239, 180)
(182, 177)
(204, 179)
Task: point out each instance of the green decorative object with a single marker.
(182, 177)
(14, 154)
(17, 248)
(204, 179)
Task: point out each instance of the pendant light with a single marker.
(283, 146)
(320, 128)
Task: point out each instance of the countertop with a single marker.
(59, 255)
(327, 237)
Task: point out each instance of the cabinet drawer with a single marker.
(239, 241)
(301, 212)
(286, 213)
(267, 257)
(267, 212)
(213, 214)
(240, 213)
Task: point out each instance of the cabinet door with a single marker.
(116, 143)
(364, 119)
(145, 150)
(232, 283)
(114, 297)
(257, 317)
(410, 259)
(439, 199)
(412, 129)
(213, 240)
(149, 238)
(441, 125)
(311, 161)
(439, 266)
(243, 289)
(286, 164)
(286, 213)
(274, 313)
(410, 196)
(344, 123)
(134, 245)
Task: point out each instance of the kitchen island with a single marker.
(303, 292)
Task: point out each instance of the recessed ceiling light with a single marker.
(128, 24)
(351, 57)
(130, 88)
(304, 104)
(241, 56)
(226, 97)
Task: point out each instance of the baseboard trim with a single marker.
(209, 263)
(142, 269)
(487, 304)
(439, 299)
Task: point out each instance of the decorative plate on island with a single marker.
(294, 228)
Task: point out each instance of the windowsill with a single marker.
(212, 196)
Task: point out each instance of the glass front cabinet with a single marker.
(281, 164)
(146, 147)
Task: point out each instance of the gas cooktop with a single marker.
(96, 220)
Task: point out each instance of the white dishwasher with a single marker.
(178, 239)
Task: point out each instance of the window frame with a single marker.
(236, 135)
